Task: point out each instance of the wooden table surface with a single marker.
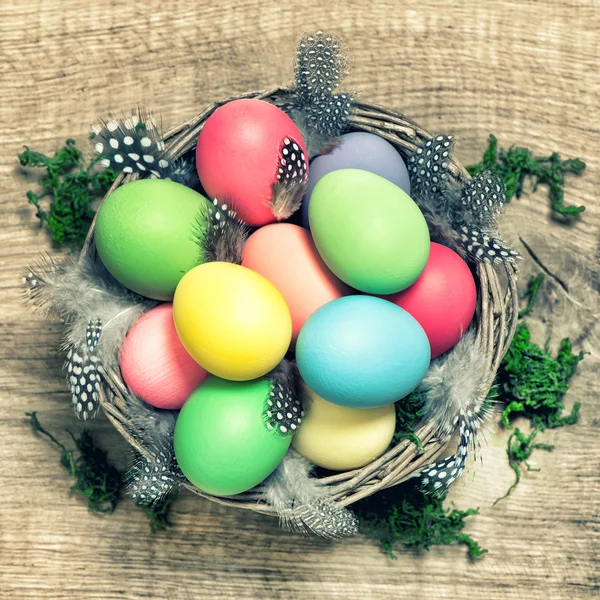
(525, 70)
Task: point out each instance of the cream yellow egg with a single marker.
(341, 438)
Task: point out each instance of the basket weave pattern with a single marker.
(495, 321)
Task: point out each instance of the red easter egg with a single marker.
(251, 155)
(286, 255)
(442, 300)
(155, 365)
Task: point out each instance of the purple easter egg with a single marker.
(358, 150)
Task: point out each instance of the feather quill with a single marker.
(454, 397)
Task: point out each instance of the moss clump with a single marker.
(532, 383)
(158, 513)
(408, 414)
(98, 480)
(516, 165)
(72, 186)
(403, 515)
(95, 478)
(533, 287)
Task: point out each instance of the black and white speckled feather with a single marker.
(131, 144)
(149, 480)
(220, 235)
(283, 410)
(460, 214)
(455, 399)
(96, 310)
(83, 368)
(321, 113)
(183, 171)
(302, 504)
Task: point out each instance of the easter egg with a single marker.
(442, 299)
(286, 255)
(154, 363)
(341, 438)
(233, 321)
(245, 148)
(358, 150)
(145, 235)
(368, 231)
(222, 442)
(362, 352)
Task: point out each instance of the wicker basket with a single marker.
(495, 320)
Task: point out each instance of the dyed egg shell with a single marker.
(340, 438)
(442, 300)
(233, 321)
(154, 363)
(245, 147)
(368, 231)
(362, 352)
(359, 150)
(222, 442)
(145, 235)
(286, 255)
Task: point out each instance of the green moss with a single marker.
(405, 516)
(95, 478)
(158, 514)
(516, 165)
(72, 186)
(98, 480)
(532, 384)
(408, 414)
(533, 287)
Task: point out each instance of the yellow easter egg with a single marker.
(341, 438)
(231, 320)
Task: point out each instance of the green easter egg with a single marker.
(145, 235)
(368, 231)
(222, 441)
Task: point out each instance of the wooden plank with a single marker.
(526, 71)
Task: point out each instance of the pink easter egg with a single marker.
(155, 365)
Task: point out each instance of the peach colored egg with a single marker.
(155, 365)
(286, 255)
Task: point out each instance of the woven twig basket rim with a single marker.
(495, 320)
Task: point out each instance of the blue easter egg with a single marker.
(358, 150)
(362, 352)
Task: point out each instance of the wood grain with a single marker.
(526, 71)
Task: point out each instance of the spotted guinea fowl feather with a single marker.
(460, 213)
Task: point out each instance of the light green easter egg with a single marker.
(146, 235)
(368, 231)
(222, 441)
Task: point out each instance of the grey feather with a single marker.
(455, 398)
(91, 304)
(303, 504)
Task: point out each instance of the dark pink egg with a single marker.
(251, 155)
(442, 300)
